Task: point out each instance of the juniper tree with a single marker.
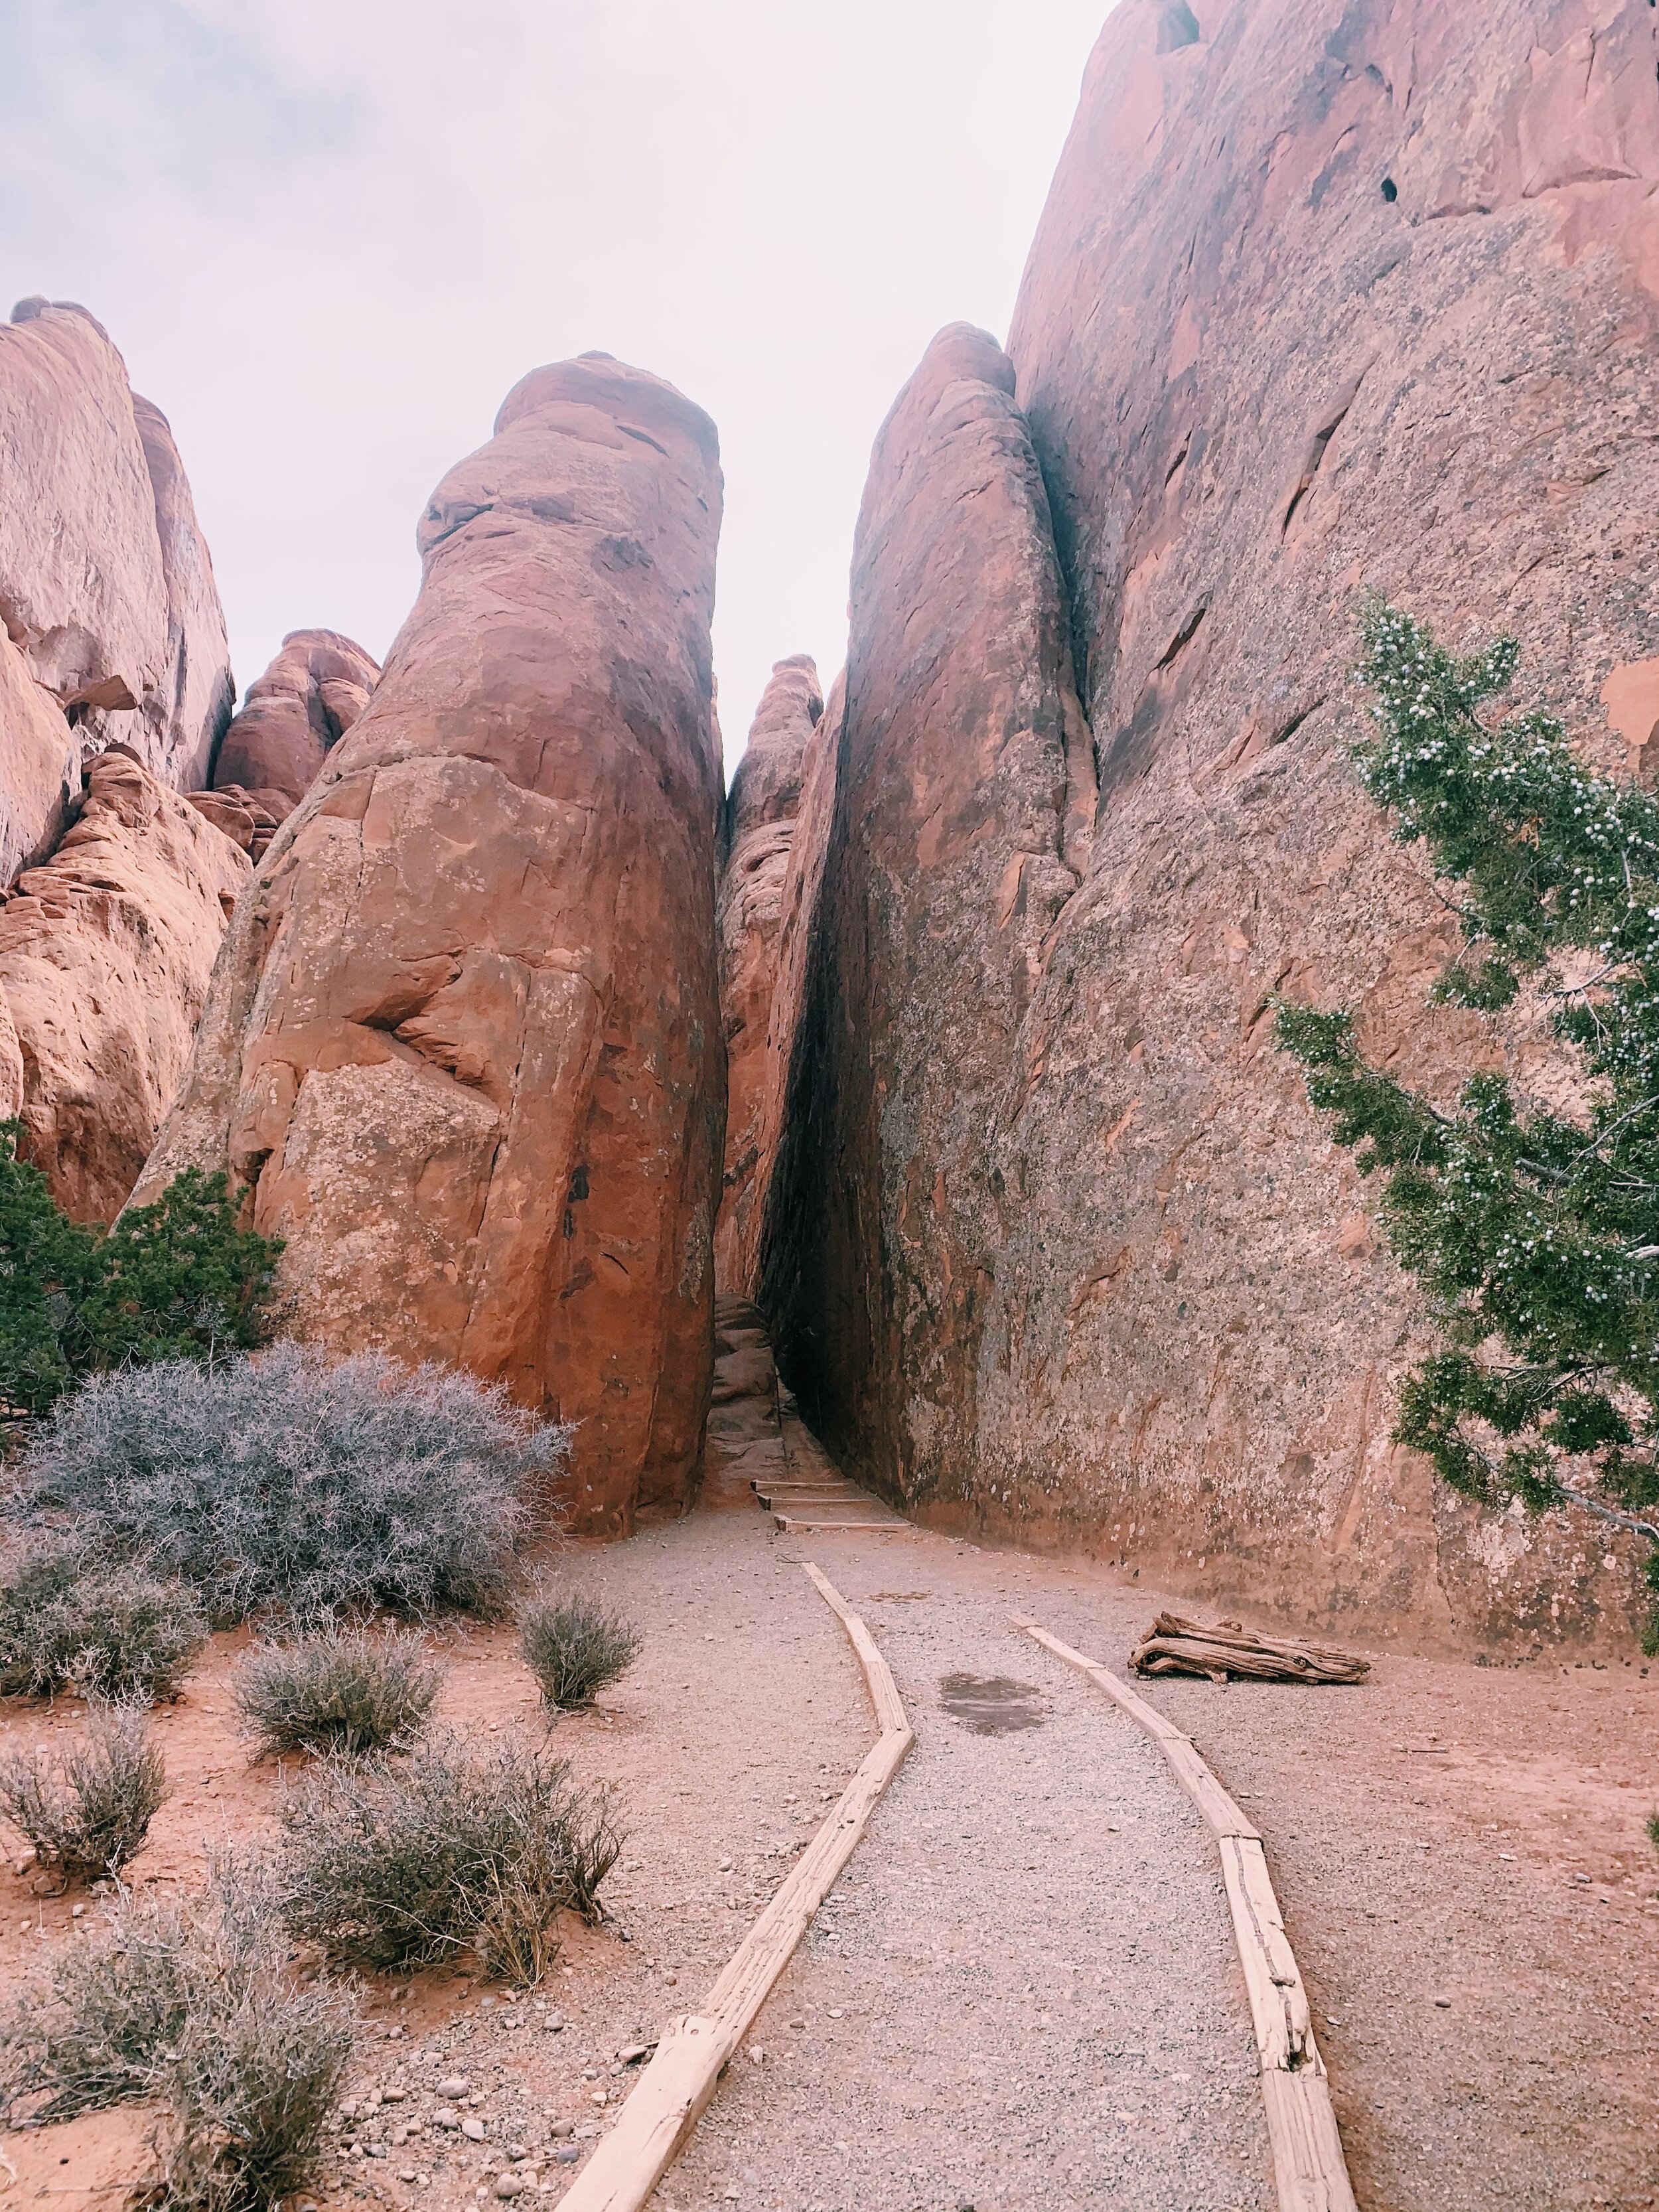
(179, 1278)
(1535, 1233)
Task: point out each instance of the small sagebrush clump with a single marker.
(283, 1480)
(113, 1630)
(574, 1649)
(400, 1864)
(188, 2002)
(87, 1809)
(338, 1690)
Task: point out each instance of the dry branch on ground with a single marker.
(1174, 1646)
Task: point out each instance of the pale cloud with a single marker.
(329, 234)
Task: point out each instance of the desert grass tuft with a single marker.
(189, 2002)
(338, 1690)
(402, 1863)
(87, 1809)
(574, 1649)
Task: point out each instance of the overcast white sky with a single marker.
(329, 235)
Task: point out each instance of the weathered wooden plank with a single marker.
(669, 2098)
(793, 1524)
(1309, 2170)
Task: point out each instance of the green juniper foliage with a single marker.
(47, 1265)
(1535, 1235)
(177, 1279)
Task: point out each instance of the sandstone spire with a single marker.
(463, 1044)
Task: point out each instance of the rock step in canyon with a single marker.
(755, 1436)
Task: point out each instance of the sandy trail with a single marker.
(1030, 1948)
(1023, 1991)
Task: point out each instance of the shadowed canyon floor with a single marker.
(1024, 1992)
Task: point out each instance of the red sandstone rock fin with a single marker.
(106, 592)
(464, 1043)
(105, 953)
(294, 716)
(965, 783)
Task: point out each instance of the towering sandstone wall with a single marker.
(1328, 294)
(113, 893)
(463, 1042)
(114, 631)
(761, 809)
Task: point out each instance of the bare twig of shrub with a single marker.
(402, 1863)
(189, 2002)
(339, 1690)
(574, 1649)
(279, 1480)
(87, 1809)
(114, 1629)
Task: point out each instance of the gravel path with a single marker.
(1030, 1948)
(1024, 1990)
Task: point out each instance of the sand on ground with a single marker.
(1024, 1992)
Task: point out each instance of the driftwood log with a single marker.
(1174, 1646)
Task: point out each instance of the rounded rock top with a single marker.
(647, 406)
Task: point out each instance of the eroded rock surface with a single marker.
(464, 1047)
(105, 953)
(106, 592)
(957, 827)
(293, 715)
(1328, 293)
(197, 691)
(760, 827)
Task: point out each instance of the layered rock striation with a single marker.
(1328, 294)
(462, 1047)
(292, 718)
(759, 831)
(105, 953)
(114, 631)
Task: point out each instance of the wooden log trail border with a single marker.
(669, 2098)
(1310, 2169)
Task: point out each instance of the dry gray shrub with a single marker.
(87, 1808)
(338, 1689)
(72, 1621)
(188, 2002)
(282, 1479)
(402, 1863)
(574, 1649)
